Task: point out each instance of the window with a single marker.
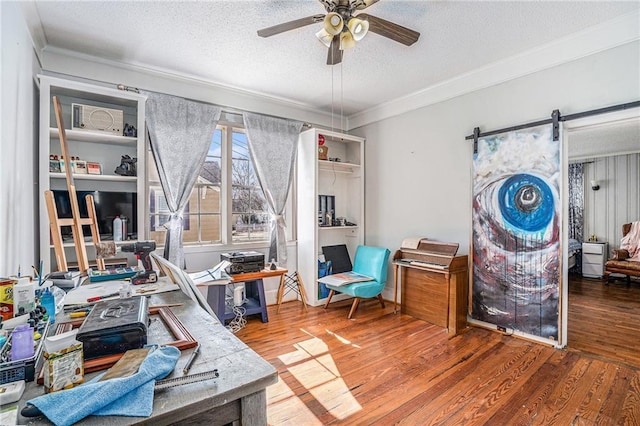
(250, 217)
(217, 212)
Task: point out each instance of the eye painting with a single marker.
(516, 232)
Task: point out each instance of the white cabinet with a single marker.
(114, 193)
(341, 181)
(594, 256)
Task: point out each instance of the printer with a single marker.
(243, 262)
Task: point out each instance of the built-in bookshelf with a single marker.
(100, 147)
(340, 176)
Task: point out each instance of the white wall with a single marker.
(618, 199)
(418, 175)
(18, 182)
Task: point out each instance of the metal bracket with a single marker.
(476, 135)
(555, 116)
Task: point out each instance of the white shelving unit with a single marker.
(343, 179)
(94, 146)
(110, 178)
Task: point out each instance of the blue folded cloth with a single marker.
(123, 396)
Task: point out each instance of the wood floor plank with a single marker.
(481, 407)
(631, 407)
(589, 409)
(382, 368)
(426, 382)
(526, 402)
(564, 408)
(604, 320)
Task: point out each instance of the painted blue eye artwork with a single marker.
(516, 231)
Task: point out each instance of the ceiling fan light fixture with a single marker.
(333, 23)
(347, 41)
(358, 28)
(324, 37)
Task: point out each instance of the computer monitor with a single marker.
(339, 257)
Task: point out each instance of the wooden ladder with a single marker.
(76, 222)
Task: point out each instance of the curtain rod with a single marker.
(226, 111)
(568, 117)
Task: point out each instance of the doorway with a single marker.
(597, 316)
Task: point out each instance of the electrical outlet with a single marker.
(501, 328)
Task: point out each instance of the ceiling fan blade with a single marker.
(390, 30)
(335, 54)
(291, 25)
(362, 4)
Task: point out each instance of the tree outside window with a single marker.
(250, 219)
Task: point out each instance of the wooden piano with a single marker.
(435, 282)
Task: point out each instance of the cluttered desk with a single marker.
(129, 354)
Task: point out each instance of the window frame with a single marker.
(227, 129)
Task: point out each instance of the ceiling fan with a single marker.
(342, 28)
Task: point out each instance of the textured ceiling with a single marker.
(616, 138)
(216, 41)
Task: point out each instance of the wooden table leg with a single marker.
(302, 291)
(280, 292)
(395, 288)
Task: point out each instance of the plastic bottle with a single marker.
(117, 229)
(49, 302)
(124, 227)
(22, 342)
(125, 291)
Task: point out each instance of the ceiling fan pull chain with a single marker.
(332, 92)
(342, 124)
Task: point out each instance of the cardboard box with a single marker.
(93, 168)
(6, 297)
(80, 167)
(63, 365)
(24, 296)
(323, 152)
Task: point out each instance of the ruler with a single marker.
(185, 380)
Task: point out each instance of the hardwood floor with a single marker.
(604, 320)
(383, 368)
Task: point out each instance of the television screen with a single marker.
(108, 206)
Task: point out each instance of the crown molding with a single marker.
(622, 30)
(36, 32)
(613, 33)
(84, 66)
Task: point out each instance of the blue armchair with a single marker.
(369, 261)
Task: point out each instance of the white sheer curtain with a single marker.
(180, 133)
(273, 146)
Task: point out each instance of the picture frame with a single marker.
(183, 339)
